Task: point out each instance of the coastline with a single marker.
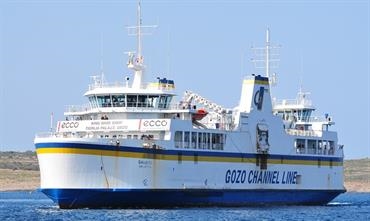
(19, 171)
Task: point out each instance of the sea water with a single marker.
(35, 206)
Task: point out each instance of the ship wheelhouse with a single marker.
(142, 100)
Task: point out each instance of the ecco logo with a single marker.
(155, 123)
(70, 124)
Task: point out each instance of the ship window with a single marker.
(93, 102)
(204, 141)
(331, 148)
(300, 146)
(104, 101)
(186, 139)
(153, 101)
(178, 139)
(194, 140)
(311, 146)
(131, 100)
(216, 141)
(200, 140)
(208, 140)
(326, 147)
(164, 101)
(320, 147)
(142, 101)
(118, 100)
(223, 141)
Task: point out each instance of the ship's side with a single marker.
(175, 160)
(132, 145)
(86, 175)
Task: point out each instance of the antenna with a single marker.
(136, 63)
(267, 53)
(139, 23)
(301, 73)
(51, 121)
(267, 58)
(101, 59)
(168, 54)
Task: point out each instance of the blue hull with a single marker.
(143, 198)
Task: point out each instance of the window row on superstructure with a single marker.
(312, 146)
(199, 140)
(130, 100)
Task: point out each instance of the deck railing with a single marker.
(137, 106)
(305, 133)
(292, 102)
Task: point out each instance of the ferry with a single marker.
(134, 145)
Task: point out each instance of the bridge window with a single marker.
(153, 101)
(118, 100)
(93, 102)
(164, 101)
(104, 101)
(142, 101)
(131, 100)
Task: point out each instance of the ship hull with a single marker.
(158, 198)
(86, 175)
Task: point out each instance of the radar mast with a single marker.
(136, 60)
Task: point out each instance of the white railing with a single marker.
(286, 102)
(305, 133)
(78, 108)
(137, 106)
(153, 85)
(106, 85)
(319, 119)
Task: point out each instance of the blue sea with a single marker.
(35, 206)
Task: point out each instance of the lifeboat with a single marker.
(199, 114)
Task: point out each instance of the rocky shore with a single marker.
(19, 171)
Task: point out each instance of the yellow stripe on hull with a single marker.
(159, 156)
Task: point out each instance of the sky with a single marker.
(50, 49)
